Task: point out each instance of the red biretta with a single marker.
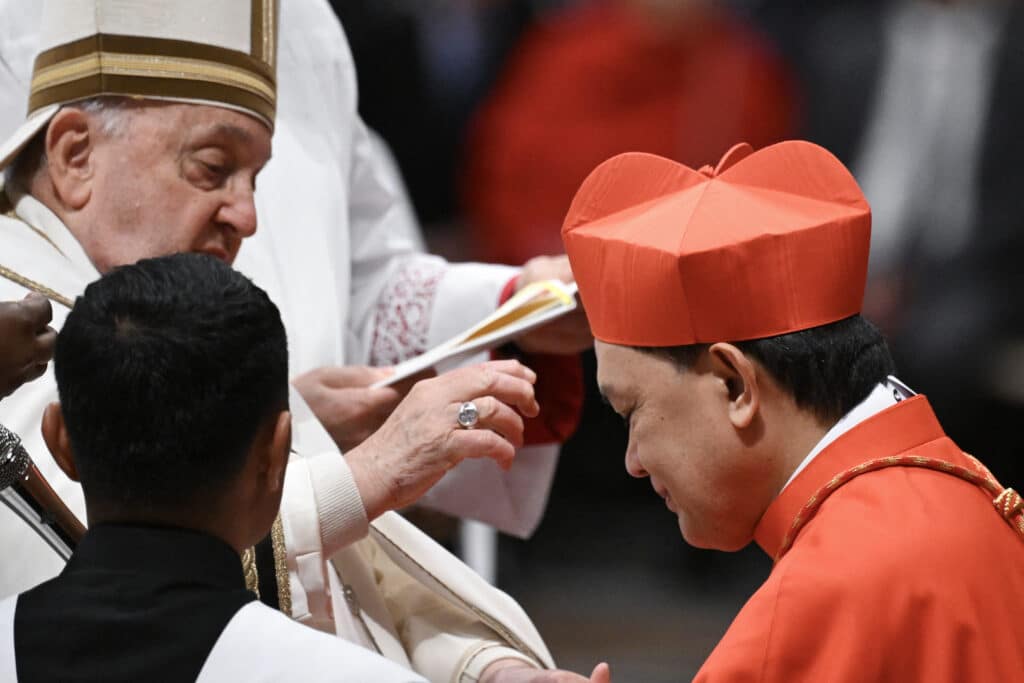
(897, 556)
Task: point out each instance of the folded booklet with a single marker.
(530, 307)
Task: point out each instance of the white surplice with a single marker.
(338, 249)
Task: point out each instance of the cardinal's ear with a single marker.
(739, 376)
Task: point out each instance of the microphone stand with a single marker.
(26, 492)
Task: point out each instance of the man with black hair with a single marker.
(761, 405)
(827, 370)
(173, 414)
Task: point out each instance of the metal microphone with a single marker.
(27, 493)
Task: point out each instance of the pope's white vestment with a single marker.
(336, 250)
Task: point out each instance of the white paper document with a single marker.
(529, 308)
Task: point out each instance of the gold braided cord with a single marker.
(284, 588)
(252, 575)
(1011, 507)
(1007, 502)
(34, 286)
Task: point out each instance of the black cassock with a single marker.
(134, 603)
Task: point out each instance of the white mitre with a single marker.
(220, 53)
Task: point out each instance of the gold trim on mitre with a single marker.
(134, 66)
(264, 31)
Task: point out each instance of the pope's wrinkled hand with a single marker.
(514, 671)
(422, 439)
(567, 335)
(26, 341)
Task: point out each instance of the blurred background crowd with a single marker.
(496, 110)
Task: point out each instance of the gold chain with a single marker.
(1007, 501)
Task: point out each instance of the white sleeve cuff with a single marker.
(484, 656)
(342, 515)
(466, 294)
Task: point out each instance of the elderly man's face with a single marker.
(681, 437)
(178, 178)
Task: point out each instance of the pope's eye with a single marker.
(208, 167)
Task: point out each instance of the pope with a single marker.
(148, 124)
(762, 407)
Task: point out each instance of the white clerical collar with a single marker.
(45, 222)
(885, 395)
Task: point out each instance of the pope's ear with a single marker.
(739, 379)
(55, 434)
(70, 141)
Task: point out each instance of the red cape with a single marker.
(904, 573)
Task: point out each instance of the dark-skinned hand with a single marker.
(26, 341)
